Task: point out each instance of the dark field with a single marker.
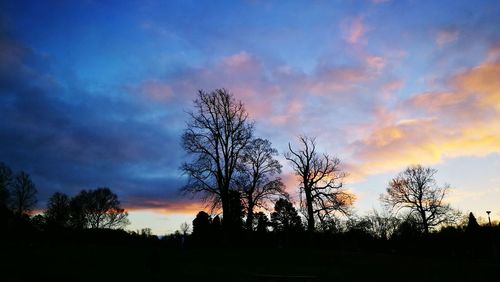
(151, 262)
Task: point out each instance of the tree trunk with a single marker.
(250, 216)
(226, 210)
(424, 222)
(310, 213)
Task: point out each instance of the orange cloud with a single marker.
(187, 207)
(433, 126)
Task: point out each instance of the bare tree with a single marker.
(98, 208)
(185, 228)
(415, 190)
(256, 177)
(320, 180)
(382, 225)
(58, 210)
(216, 134)
(23, 198)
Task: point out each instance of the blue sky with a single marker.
(94, 93)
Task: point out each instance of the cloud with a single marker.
(433, 126)
(155, 90)
(445, 37)
(165, 206)
(68, 138)
(353, 29)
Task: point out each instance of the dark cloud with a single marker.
(69, 138)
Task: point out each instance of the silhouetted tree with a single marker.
(408, 228)
(256, 176)
(262, 222)
(472, 224)
(216, 133)
(381, 226)
(416, 191)
(185, 228)
(98, 208)
(201, 224)
(285, 217)
(23, 194)
(216, 225)
(58, 210)
(79, 209)
(320, 180)
(5, 185)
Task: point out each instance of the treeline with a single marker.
(90, 209)
(239, 173)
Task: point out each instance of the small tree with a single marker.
(185, 228)
(58, 210)
(262, 222)
(472, 224)
(23, 198)
(285, 217)
(257, 177)
(415, 190)
(201, 224)
(98, 208)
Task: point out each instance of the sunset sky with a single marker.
(95, 93)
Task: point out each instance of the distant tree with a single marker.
(5, 185)
(358, 226)
(185, 228)
(79, 209)
(285, 217)
(99, 208)
(321, 182)
(38, 222)
(23, 198)
(257, 177)
(201, 224)
(58, 210)
(216, 225)
(472, 224)
(382, 225)
(216, 134)
(415, 190)
(262, 222)
(146, 232)
(408, 228)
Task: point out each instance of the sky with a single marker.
(96, 93)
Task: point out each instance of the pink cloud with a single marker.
(432, 126)
(494, 53)
(353, 30)
(156, 90)
(334, 80)
(445, 37)
(375, 63)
